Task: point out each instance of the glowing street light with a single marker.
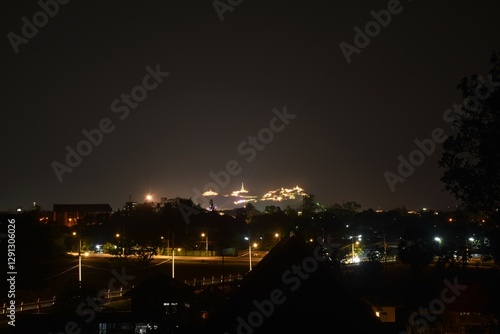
(121, 241)
(206, 243)
(79, 260)
(249, 252)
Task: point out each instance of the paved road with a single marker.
(242, 258)
(50, 278)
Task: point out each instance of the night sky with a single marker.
(342, 124)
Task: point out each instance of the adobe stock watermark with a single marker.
(40, 19)
(427, 146)
(121, 107)
(292, 279)
(424, 316)
(248, 149)
(222, 6)
(362, 39)
(11, 272)
(88, 308)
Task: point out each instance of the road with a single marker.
(53, 277)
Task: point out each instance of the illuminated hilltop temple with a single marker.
(278, 197)
(283, 194)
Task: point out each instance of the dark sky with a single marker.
(352, 120)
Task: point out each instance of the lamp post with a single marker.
(173, 268)
(206, 243)
(120, 239)
(249, 252)
(173, 256)
(79, 260)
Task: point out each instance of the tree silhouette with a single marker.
(416, 250)
(471, 156)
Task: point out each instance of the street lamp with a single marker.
(173, 268)
(206, 243)
(79, 260)
(121, 241)
(173, 255)
(249, 252)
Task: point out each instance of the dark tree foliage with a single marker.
(345, 212)
(416, 249)
(471, 156)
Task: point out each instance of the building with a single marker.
(89, 214)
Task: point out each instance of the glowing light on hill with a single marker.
(210, 193)
(237, 193)
(283, 194)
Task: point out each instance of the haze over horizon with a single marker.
(224, 200)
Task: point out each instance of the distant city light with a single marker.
(356, 260)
